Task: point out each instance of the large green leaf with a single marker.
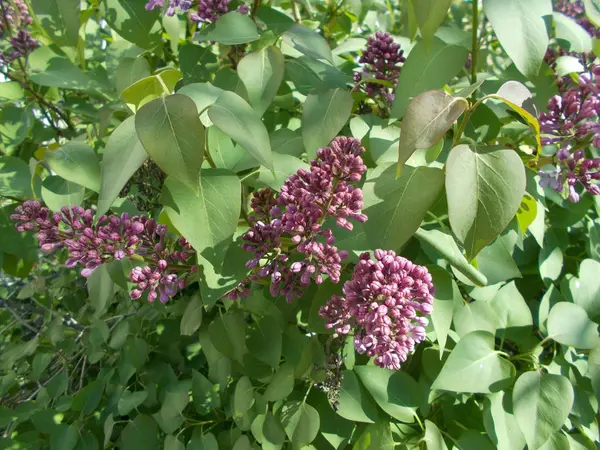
(122, 157)
(192, 317)
(76, 162)
(430, 15)
(585, 289)
(131, 21)
(262, 73)
(243, 396)
(140, 434)
(397, 393)
(514, 320)
(446, 246)
(324, 115)
(172, 134)
(309, 42)
(236, 118)
(569, 324)
(355, 403)
(231, 29)
(60, 19)
(15, 178)
(207, 219)
(375, 435)
(571, 35)
(500, 422)
(592, 11)
(301, 423)
(541, 403)
(58, 192)
(426, 120)
(433, 437)
(101, 289)
(445, 296)
(474, 366)
(265, 341)
(484, 188)
(520, 27)
(131, 70)
(151, 87)
(396, 207)
(425, 70)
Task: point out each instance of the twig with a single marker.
(295, 12)
(255, 8)
(16, 316)
(82, 373)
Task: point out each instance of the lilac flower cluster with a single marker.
(386, 302)
(208, 10)
(572, 122)
(296, 216)
(111, 238)
(576, 10)
(14, 22)
(173, 5)
(380, 62)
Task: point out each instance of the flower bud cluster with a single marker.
(572, 120)
(386, 302)
(294, 220)
(14, 22)
(111, 238)
(380, 62)
(211, 10)
(173, 5)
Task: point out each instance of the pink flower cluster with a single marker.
(307, 198)
(572, 120)
(386, 302)
(208, 10)
(111, 238)
(15, 21)
(380, 62)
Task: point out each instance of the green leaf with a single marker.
(355, 403)
(262, 73)
(324, 115)
(569, 32)
(585, 290)
(131, 20)
(122, 157)
(176, 398)
(194, 62)
(101, 289)
(541, 403)
(474, 316)
(15, 178)
(265, 341)
(119, 335)
(527, 212)
(430, 15)
(527, 46)
(375, 436)
(500, 423)
(130, 401)
(484, 188)
(301, 423)
(131, 70)
(207, 219)
(203, 94)
(60, 19)
(228, 334)
(76, 162)
(446, 246)
(445, 295)
(272, 432)
(594, 370)
(427, 69)
(282, 383)
(231, 29)
(514, 320)
(427, 118)
(236, 118)
(140, 434)
(243, 397)
(151, 87)
(474, 366)
(57, 192)
(308, 42)
(11, 91)
(396, 207)
(15, 126)
(172, 134)
(172, 443)
(433, 437)
(192, 316)
(88, 398)
(397, 393)
(569, 324)
(204, 394)
(592, 11)
(63, 437)
(202, 441)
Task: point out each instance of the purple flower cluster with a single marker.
(573, 168)
(211, 10)
(572, 121)
(297, 214)
(14, 22)
(576, 10)
(173, 5)
(111, 238)
(386, 302)
(380, 62)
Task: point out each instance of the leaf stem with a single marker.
(475, 42)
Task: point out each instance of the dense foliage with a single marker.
(299, 224)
